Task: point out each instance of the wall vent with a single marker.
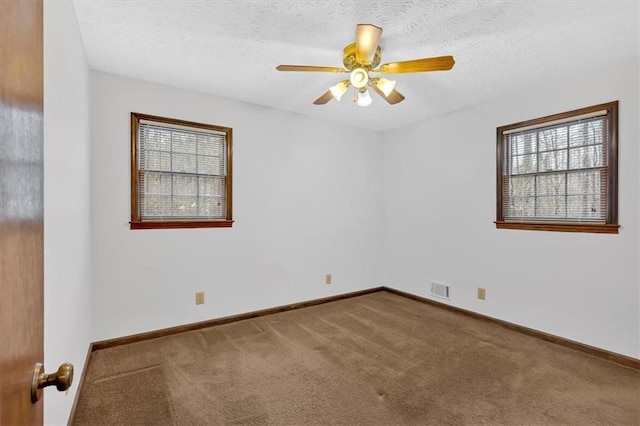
(440, 290)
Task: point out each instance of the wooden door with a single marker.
(21, 211)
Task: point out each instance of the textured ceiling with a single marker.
(231, 48)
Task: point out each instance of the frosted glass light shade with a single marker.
(338, 90)
(386, 86)
(364, 99)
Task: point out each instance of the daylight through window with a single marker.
(560, 172)
(181, 173)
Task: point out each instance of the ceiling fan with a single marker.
(360, 59)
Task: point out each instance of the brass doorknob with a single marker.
(61, 378)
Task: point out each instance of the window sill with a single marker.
(594, 228)
(181, 224)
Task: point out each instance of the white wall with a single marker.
(440, 207)
(67, 280)
(307, 201)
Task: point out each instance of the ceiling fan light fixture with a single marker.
(339, 89)
(385, 86)
(359, 77)
(364, 56)
(364, 99)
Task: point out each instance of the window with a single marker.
(560, 173)
(180, 174)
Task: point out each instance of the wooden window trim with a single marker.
(595, 228)
(136, 221)
(610, 226)
(181, 224)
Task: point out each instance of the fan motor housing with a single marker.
(350, 62)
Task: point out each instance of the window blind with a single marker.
(182, 172)
(557, 171)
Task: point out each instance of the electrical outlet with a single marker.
(328, 279)
(200, 298)
(482, 293)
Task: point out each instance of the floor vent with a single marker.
(440, 290)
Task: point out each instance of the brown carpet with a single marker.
(378, 359)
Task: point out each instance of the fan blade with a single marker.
(393, 98)
(311, 68)
(441, 63)
(367, 37)
(324, 98)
